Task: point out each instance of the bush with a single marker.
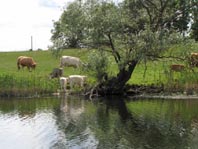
(98, 64)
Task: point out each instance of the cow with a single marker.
(19, 58)
(56, 73)
(194, 59)
(26, 61)
(70, 61)
(63, 83)
(76, 80)
(177, 67)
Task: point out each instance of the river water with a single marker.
(116, 123)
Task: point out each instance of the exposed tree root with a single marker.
(128, 90)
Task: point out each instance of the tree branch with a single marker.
(115, 53)
(148, 11)
(156, 17)
(160, 16)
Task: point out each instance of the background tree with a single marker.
(70, 27)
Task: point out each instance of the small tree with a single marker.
(98, 62)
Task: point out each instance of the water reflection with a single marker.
(166, 123)
(72, 123)
(76, 123)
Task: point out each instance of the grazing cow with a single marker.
(63, 83)
(56, 73)
(77, 80)
(70, 61)
(25, 61)
(177, 67)
(19, 58)
(194, 59)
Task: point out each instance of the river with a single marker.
(73, 122)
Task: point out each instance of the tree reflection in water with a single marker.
(108, 123)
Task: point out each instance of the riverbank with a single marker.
(173, 96)
(153, 77)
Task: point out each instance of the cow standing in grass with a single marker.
(76, 80)
(70, 61)
(177, 67)
(63, 83)
(56, 73)
(25, 61)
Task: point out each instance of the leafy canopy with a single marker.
(131, 31)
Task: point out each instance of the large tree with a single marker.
(131, 31)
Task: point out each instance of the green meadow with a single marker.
(14, 82)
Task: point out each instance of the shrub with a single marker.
(98, 64)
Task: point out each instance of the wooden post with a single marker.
(31, 43)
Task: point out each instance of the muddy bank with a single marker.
(143, 96)
(157, 92)
(143, 89)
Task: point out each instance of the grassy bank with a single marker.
(14, 82)
(27, 85)
(24, 83)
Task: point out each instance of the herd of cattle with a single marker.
(24, 61)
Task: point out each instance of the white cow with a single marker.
(63, 83)
(70, 61)
(77, 80)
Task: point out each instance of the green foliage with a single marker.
(194, 33)
(91, 21)
(103, 21)
(194, 22)
(98, 62)
(182, 82)
(69, 30)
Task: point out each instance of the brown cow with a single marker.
(18, 61)
(177, 67)
(194, 59)
(25, 61)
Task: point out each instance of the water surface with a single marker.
(77, 123)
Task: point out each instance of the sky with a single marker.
(21, 19)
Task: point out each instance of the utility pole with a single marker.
(31, 43)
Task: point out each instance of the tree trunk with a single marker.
(115, 85)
